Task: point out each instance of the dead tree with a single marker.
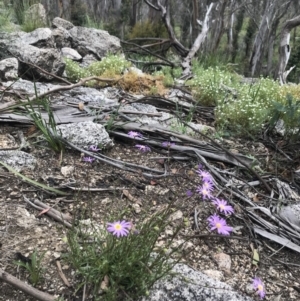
(285, 49)
(186, 54)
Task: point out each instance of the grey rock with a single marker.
(85, 134)
(59, 22)
(70, 54)
(9, 69)
(87, 60)
(47, 59)
(95, 41)
(61, 37)
(18, 159)
(290, 214)
(197, 287)
(40, 37)
(107, 96)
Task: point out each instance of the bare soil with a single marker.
(23, 230)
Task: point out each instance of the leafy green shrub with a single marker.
(289, 112)
(169, 75)
(74, 71)
(207, 84)
(124, 267)
(28, 20)
(5, 17)
(110, 66)
(251, 108)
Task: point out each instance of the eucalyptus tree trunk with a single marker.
(261, 37)
(284, 49)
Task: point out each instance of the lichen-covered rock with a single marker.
(191, 285)
(84, 134)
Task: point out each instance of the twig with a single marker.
(61, 274)
(44, 71)
(24, 287)
(230, 154)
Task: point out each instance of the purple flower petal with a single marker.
(133, 134)
(88, 159)
(168, 144)
(259, 286)
(119, 228)
(94, 148)
(143, 148)
(223, 206)
(204, 192)
(219, 224)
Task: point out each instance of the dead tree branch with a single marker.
(24, 287)
(186, 64)
(285, 50)
(180, 49)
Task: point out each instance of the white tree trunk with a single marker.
(186, 63)
(284, 49)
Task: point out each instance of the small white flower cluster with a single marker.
(112, 63)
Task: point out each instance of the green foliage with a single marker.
(48, 128)
(148, 29)
(33, 267)
(289, 112)
(28, 21)
(74, 71)
(91, 22)
(126, 266)
(169, 74)
(111, 65)
(207, 84)
(251, 108)
(5, 18)
(78, 12)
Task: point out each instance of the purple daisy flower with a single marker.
(205, 192)
(259, 286)
(208, 185)
(94, 148)
(143, 148)
(88, 159)
(219, 224)
(167, 144)
(119, 228)
(223, 206)
(206, 176)
(133, 134)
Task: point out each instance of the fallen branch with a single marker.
(24, 287)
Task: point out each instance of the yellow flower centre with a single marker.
(260, 287)
(218, 225)
(118, 226)
(221, 206)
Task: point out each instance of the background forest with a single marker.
(243, 33)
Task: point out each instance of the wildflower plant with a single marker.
(33, 267)
(206, 192)
(47, 127)
(125, 254)
(259, 287)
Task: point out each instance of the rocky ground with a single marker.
(102, 190)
